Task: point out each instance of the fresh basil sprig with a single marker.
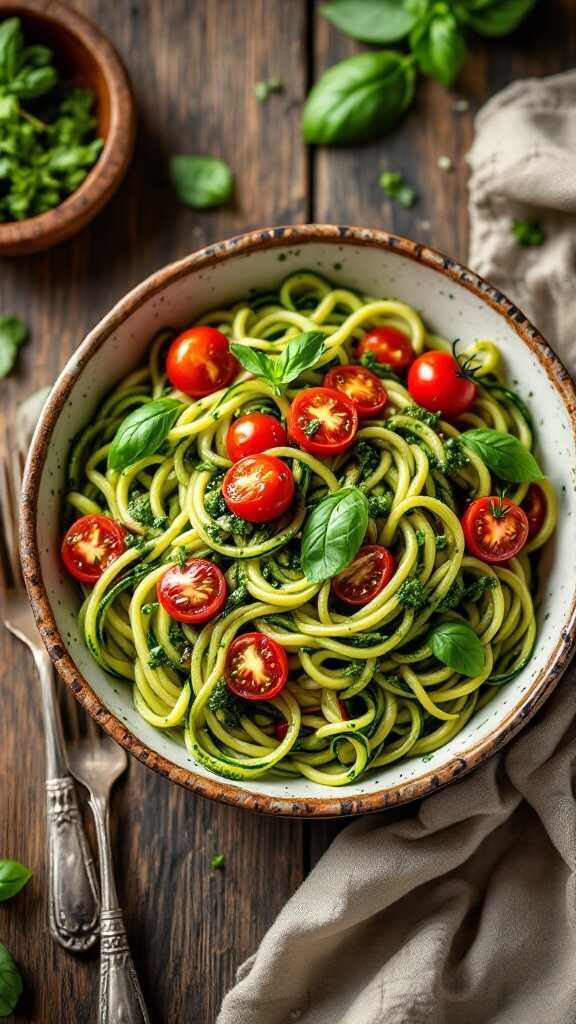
(10, 983)
(333, 533)
(13, 334)
(370, 21)
(504, 455)
(300, 354)
(201, 182)
(13, 877)
(143, 431)
(359, 99)
(456, 645)
(439, 45)
(494, 17)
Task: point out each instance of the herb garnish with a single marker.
(263, 90)
(202, 182)
(528, 232)
(393, 184)
(13, 334)
(300, 354)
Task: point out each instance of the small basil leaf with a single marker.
(253, 360)
(300, 354)
(333, 533)
(143, 431)
(439, 47)
(504, 455)
(359, 99)
(455, 644)
(37, 56)
(370, 21)
(13, 334)
(10, 983)
(33, 82)
(13, 878)
(494, 17)
(11, 47)
(201, 182)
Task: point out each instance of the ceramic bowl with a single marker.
(455, 303)
(86, 58)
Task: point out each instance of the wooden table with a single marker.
(193, 64)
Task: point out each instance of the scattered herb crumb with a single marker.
(445, 164)
(218, 861)
(528, 232)
(393, 184)
(13, 334)
(263, 90)
(202, 182)
(311, 427)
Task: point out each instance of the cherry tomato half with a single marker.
(361, 386)
(388, 345)
(495, 529)
(534, 505)
(256, 667)
(90, 545)
(258, 488)
(194, 592)
(366, 576)
(252, 434)
(199, 361)
(436, 383)
(322, 421)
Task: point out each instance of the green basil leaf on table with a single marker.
(300, 354)
(10, 983)
(13, 877)
(13, 334)
(11, 48)
(333, 533)
(494, 17)
(359, 99)
(504, 455)
(456, 645)
(143, 431)
(370, 21)
(439, 46)
(201, 182)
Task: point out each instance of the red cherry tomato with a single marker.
(366, 576)
(495, 529)
(361, 386)
(252, 434)
(534, 505)
(258, 488)
(90, 545)
(194, 592)
(199, 362)
(256, 667)
(281, 728)
(322, 421)
(388, 345)
(435, 382)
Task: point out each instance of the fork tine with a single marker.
(10, 521)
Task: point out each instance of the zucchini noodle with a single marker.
(364, 687)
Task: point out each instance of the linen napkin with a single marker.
(464, 912)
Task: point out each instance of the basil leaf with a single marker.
(143, 431)
(439, 47)
(504, 455)
(13, 334)
(370, 21)
(201, 182)
(33, 82)
(13, 878)
(494, 17)
(11, 47)
(10, 983)
(455, 644)
(333, 533)
(301, 353)
(359, 99)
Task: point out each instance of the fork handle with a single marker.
(121, 998)
(73, 899)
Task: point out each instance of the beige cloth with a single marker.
(465, 911)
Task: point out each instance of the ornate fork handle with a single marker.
(73, 888)
(121, 999)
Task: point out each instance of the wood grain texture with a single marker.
(193, 64)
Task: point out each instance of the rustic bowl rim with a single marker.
(74, 212)
(214, 787)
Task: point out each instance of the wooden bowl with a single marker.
(86, 58)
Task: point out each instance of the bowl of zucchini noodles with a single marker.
(297, 521)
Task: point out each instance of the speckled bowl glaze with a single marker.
(453, 302)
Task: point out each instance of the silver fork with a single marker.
(97, 761)
(73, 902)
